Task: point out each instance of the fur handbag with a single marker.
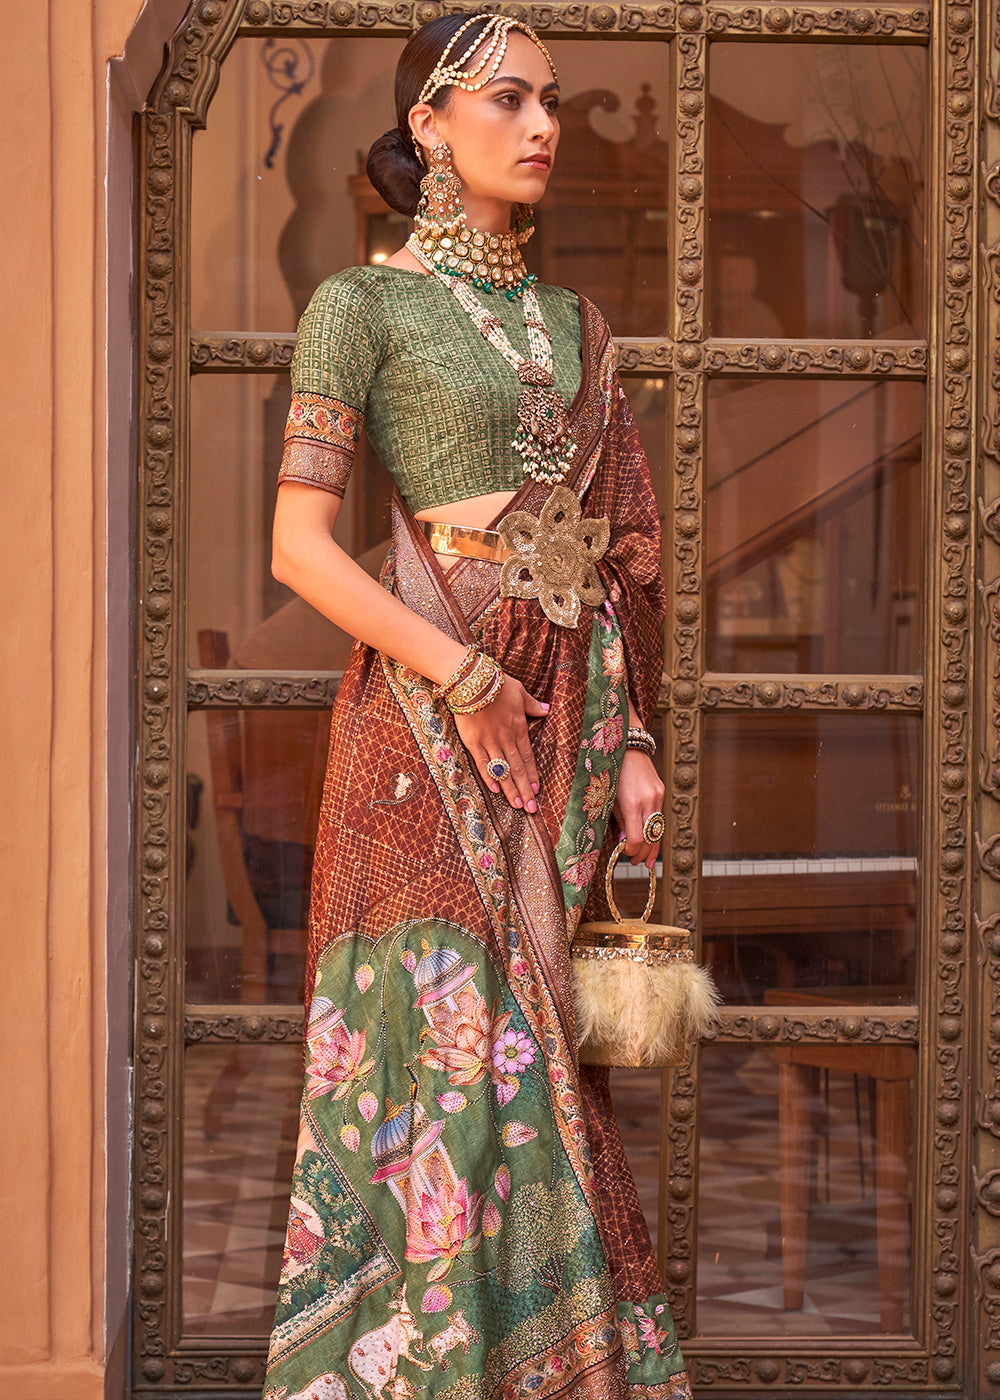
(640, 996)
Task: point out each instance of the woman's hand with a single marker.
(501, 731)
(640, 794)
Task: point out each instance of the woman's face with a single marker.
(503, 137)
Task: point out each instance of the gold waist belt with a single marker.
(466, 541)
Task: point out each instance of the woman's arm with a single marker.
(306, 557)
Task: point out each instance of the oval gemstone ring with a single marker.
(498, 768)
(652, 827)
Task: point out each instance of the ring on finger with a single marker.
(498, 769)
(652, 827)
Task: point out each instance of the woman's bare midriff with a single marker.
(477, 511)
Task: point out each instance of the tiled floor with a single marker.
(240, 1125)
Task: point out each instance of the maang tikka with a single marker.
(490, 261)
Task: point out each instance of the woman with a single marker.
(463, 1222)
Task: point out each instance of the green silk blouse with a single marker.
(393, 351)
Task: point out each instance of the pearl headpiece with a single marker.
(493, 41)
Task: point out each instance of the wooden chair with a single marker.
(893, 1069)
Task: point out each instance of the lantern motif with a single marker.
(408, 1154)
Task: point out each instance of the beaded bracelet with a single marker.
(641, 739)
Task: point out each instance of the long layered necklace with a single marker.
(543, 441)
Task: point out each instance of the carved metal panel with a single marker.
(955, 1348)
(985, 979)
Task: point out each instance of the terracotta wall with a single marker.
(64, 163)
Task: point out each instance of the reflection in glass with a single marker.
(255, 779)
(237, 429)
(602, 227)
(804, 1189)
(240, 1128)
(809, 872)
(275, 203)
(813, 517)
(647, 400)
(280, 199)
(816, 190)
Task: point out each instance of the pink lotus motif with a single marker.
(512, 1052)
(580, 872)
(608, 734)
(337, 1060)
(492, 1220)
(614, 659)
(507, 1090)
(350, 1137)
(436, 1299)
(462, 1044)
(442, 1227)
(651, 1335)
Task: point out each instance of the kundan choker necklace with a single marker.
(543, 440)
(490, 261)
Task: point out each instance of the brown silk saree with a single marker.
(463, 1222)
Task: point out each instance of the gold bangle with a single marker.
(463, 669)
(471, 684)
(479, 688)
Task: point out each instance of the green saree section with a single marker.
(647, 1329)
(427, 1110)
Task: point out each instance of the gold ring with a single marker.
(652, 827)
(498, 769)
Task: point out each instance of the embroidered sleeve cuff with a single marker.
(317, 466)
(320, 438)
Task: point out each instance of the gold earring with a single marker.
(440, 193)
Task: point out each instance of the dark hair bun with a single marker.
(395, 172)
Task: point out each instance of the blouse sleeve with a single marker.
(340, 344)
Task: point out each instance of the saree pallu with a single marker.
(463, 1223)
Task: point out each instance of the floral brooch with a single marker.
(554, 557)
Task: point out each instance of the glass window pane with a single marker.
(813, 515)
(237, 428)
(273, 207)
(255, 778)
(240, 1129)
(603, 225)
(648, 402)
(809, 868)
(278, 167)
(816, 190)
(804, 1190)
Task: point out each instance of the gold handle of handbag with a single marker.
(609, 886)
